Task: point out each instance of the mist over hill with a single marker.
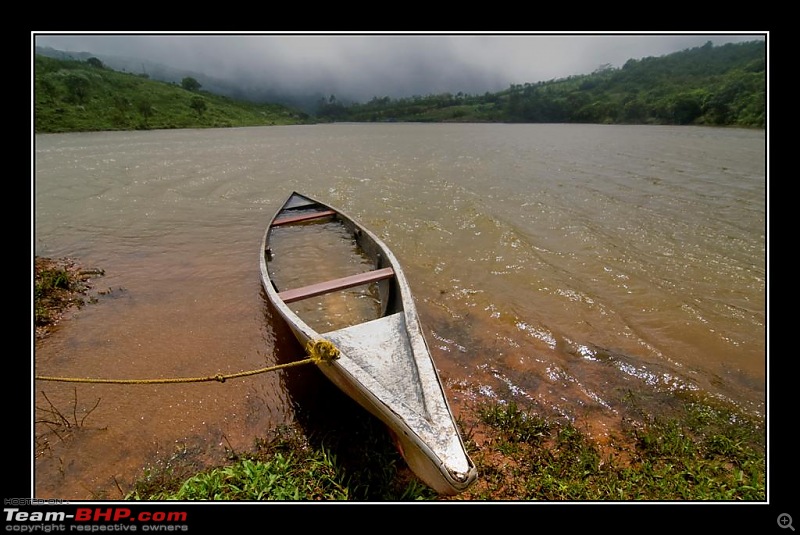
(710, 85)
(243, 89)
(299, 70)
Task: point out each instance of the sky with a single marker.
(365, 65)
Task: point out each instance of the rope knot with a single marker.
(219, 377)
(322, 351)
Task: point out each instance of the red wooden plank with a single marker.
(320, 288)
(302, 217)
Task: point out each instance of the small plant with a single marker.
(285, 468)
(707, 453)
(703, 451)
(278, 477)
(515, 424)
(56, 423)
(52, 287)
(58, 285)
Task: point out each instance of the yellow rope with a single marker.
(322, 351)
(319, 351)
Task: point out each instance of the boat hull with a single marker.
(384, 362)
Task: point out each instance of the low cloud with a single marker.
(358, 67)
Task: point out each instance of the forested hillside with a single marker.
(84, 96)
(720, 86)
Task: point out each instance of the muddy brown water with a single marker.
(561, 265)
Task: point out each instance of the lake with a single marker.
(563, 266)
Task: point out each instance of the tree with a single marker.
(686, 107)
(94, 62)
(198, 104)
(145, 107)
(119, 112)
(49, 87)
(190, 84)
(78, 85)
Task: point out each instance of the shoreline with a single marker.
(73, 289)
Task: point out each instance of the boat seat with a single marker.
(313, 290)
(302, 217)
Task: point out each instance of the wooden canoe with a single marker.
(383, 361)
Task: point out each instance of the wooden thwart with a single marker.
(302, 217)
(320, 288)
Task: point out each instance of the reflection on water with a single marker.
(560, 264)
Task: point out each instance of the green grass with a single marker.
(78, 96)
(708, 453)
(288, 468)
(54, 289)
(277, 476)
(695, 449)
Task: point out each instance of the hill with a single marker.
(719, 86)
(83, 96)
(155, 70)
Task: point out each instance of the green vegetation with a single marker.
(702, 452)
(308, 475)
(707, 454)
(694, 450)
(84, 96)
(288, 467)
(718, 86)
(57, 286)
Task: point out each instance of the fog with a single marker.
(361, 66)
